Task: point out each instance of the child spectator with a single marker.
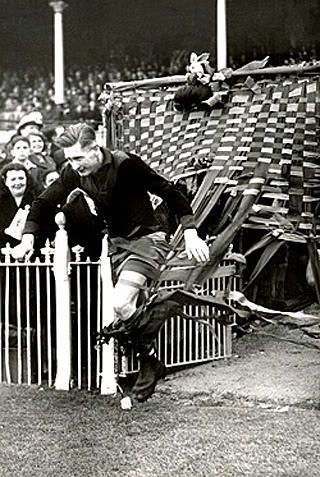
(20, 154)
(49, 176)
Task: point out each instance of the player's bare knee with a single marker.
(126, 293)
(123, 309)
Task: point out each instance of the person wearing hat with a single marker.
(115, 186)
(31, 122)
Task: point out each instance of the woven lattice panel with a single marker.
(277, 126)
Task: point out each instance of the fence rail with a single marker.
(31, 329)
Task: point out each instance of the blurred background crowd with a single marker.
(117, 40)
(32, 88)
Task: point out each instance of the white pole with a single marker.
(58, 7)
(221, 35)
(108, 378)
(63, 315)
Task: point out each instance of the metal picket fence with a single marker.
(27, 319)
(51, 309)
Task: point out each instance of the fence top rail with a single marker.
(17, 264)
(181, 79)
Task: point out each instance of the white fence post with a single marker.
(6, 252)
(108, 379)
(63, 314)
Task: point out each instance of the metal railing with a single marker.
(52, 307)
(27, 322)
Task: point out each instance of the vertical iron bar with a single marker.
(19, 327)
(29, 342)
(1, 322)
(6, 325)
(171, 340)
(178, 339)
(38, 314)
(49, 324)
(79, 324)
(166, 343)
(99, 326)
(184, 344)
(89, 324)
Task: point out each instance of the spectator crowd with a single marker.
(22, 91)
(29, 163)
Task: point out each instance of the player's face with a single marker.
(84, 161)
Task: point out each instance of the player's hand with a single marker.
(195, 246)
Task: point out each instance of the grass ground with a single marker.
(256, 414)
(45, 433)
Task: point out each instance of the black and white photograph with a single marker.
(159, 238)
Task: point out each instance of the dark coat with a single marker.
(119, 189)
(9, 209)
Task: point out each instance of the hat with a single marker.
(35, 117)
(16, 138)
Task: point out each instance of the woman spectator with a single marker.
(39, 156)
(37, 144)
(16, 196)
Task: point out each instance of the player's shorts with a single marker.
(144, 255)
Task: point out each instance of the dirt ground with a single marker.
(264, 368)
